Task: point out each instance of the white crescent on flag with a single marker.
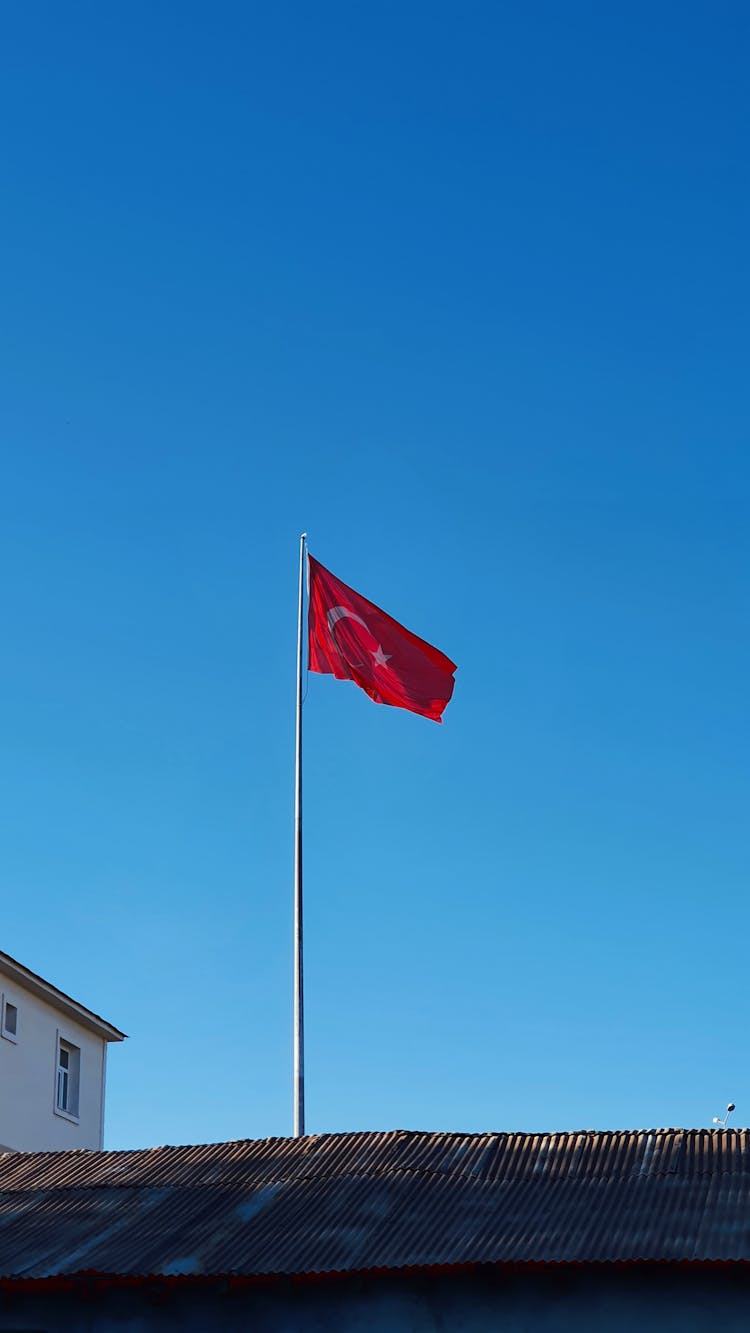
(337, 613)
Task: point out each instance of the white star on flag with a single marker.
(380, 657)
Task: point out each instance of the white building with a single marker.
(53, 1065)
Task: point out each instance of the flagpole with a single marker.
(299, 996)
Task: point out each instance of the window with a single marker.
(68, 1075)
(9, 1026)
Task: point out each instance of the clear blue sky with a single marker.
(463, 290)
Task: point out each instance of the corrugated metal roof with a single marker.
(348, 1202)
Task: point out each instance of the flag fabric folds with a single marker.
(352, 639)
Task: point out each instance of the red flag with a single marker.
(352, 639)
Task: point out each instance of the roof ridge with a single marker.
(712, 1130)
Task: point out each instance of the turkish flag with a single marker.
(352, 639)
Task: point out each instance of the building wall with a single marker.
(572, 1301)
(28, 1073)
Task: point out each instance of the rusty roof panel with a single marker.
(347, 1202)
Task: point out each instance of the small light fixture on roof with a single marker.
(722, 1120)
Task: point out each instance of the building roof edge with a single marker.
(45, 990)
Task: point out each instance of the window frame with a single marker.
(4, 1031)
(73, 1077)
